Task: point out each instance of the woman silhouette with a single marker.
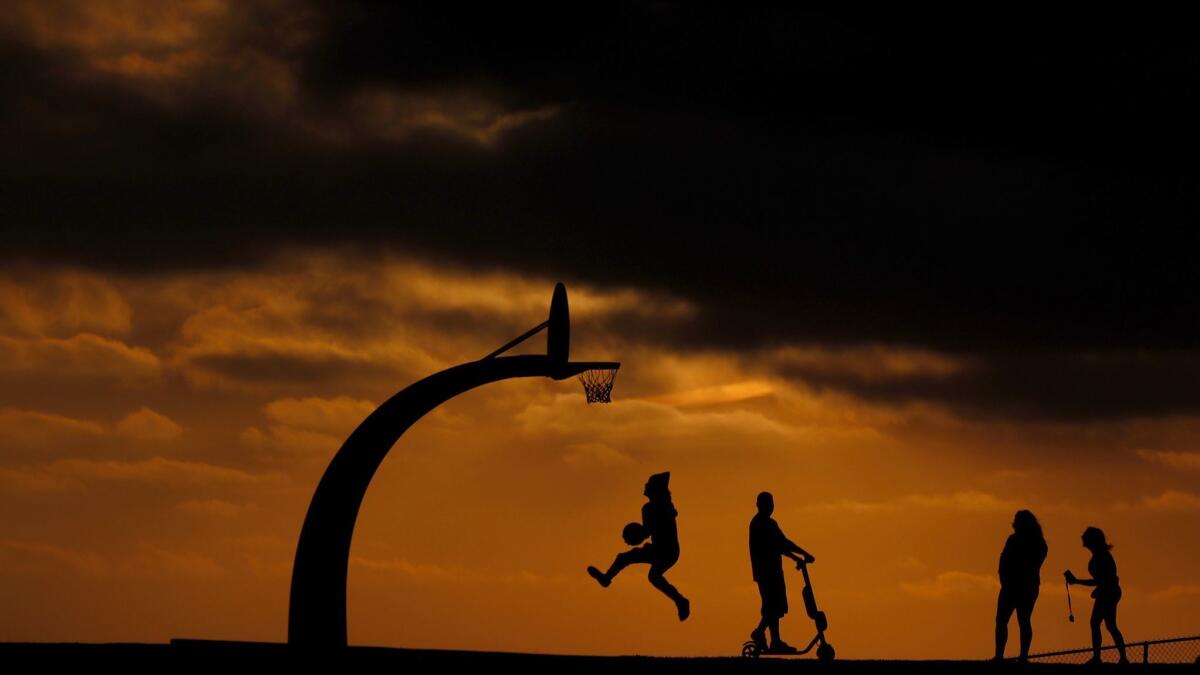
(1020, 567)
(1103, 569)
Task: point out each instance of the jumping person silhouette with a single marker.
(658, 524)
(768, 547)
(1020, 579)
(1103, 569)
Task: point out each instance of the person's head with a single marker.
(1026, 524)
(766, 503)
(656, 485)
(1094, 541)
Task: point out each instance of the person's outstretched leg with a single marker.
(619, 563)
(682, 604)
(1095, 625)
(774, 628)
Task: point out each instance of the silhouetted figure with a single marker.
(1020, 579)
(768, 547)
(658, 524)
(1103, 569)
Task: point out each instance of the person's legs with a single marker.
(682, 605)
(777, 589)
(1110, 622)
(1025, 623)
(759, 634)
(773, 626)
(1004, 610)
(1097, 617)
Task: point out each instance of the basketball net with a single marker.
(598, 384)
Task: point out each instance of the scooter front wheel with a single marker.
(750, 650)
(825, 652)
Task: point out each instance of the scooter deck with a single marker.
(825, 652)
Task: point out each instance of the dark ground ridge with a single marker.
(236, 657)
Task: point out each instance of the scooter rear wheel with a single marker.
(750, 650)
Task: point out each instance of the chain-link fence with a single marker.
(1174, 650)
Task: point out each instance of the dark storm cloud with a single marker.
(973, 184)
(1039, 386)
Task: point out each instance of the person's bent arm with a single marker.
(1075, 581)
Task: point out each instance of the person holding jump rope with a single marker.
(1103, 569)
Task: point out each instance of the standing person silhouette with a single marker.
(1020, 579)
(658, 524)
(768, 547)
(1103, 569)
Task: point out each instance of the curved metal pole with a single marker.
(317, 613)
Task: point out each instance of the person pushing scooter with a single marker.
(768, 547)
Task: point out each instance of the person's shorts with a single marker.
(1107, 595)
(773, 592)
(660, 558)
(1016, 598)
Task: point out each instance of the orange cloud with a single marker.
(215, 507)
(966, 501)
(720, 393)
(386, 114)
(869, 363)
(338, 416)
(181, 563)
(33, 480)
(83, 562)
(117, 24)
(310, 426)
(62, 304)
(1172, 458)
(1177, 591)
(40, 430)
(292, 440)
(952, 582)
(595, 454)
(145, 424)
(1170, 500)
(82, 356)
(157, 470)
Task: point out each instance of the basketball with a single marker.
(633, 534)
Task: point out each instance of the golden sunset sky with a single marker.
(178, 366)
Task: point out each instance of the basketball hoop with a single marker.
(596, 376)
(598, 383)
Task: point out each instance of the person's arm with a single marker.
(1075, 581)
(807, 557)
(790, 549)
